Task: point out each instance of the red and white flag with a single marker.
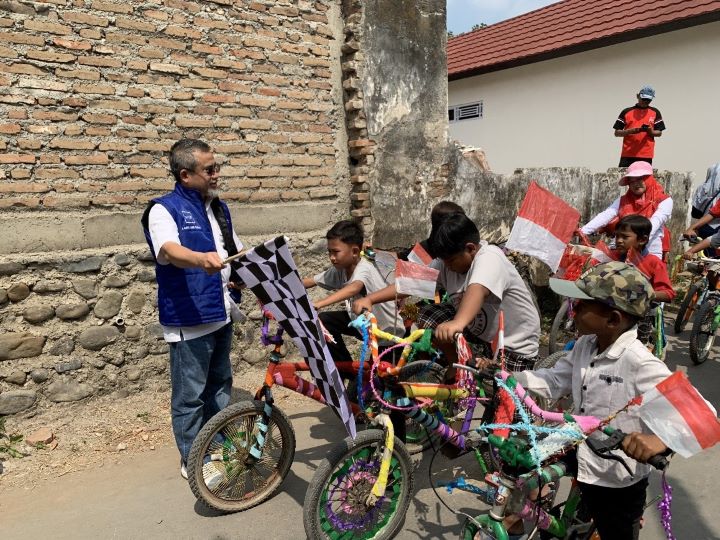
(419, 255)
(415, 279)
(676, 412)
(543, 227)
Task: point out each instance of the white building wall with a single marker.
(560, 112)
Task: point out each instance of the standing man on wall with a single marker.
(639, 125)
(190, 232)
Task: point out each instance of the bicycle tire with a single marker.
(687, 307)
(358, 461)
(560, 326)
(417, 438)
(702, 335)
(236, 423)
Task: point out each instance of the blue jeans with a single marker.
(201, 378)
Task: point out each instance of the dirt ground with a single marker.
(105, 430)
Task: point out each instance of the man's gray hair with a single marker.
(181, 155)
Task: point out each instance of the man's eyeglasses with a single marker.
(211, 169)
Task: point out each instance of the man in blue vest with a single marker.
(190, 233)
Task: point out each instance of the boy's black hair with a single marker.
(454, 232)
(640, 225)
(443, 209)
(347, 231)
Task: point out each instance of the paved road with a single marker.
(146, 498)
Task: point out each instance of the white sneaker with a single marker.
(183, 469)
(212, 476)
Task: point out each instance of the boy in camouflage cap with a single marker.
(606, 368)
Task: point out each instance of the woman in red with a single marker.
(644, 197)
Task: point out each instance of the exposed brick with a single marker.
(90, 33)
(135, 120)
(189, 7)
(116, 105)
(264, 196)
(112, 7)
(293, 195)
(26, 202)
(240, 196)
(155, 108)
(306, 182)
(148, 172)
(247, 123)
(156, 14)
(204, 110)
(89, 188)
(72, 144)
(234, 86)
(204, 48)
(256, 101)
(43, 84)
(29, 144)
(146, 146)
(47, 158)
(39, 25)
(10, 129)
(20, 174)
(84, 74)
(103, 173)
(115, 146)
(17, 114)
(20, 187)
(167, 43)
(123, 37)
(154, 78)
(119, 77)
(168, 68)
(138, 134)
(181, 96)
(7, 52)
(50, 201)
(211, 73)
(322, 193)
(94, 89)
(138, 65)
(93, 159)
(76, 45)
(17, 158)
(96, 131)
(77, 17)
(134, 24)
(53, 174)
(234, 111)
(99, 61)
(197, 83)
(23, 39)
(193, 122)
(151, 52)
(99, 118)
(49, 56)
(179, 31)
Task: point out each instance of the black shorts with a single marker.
(626, 161)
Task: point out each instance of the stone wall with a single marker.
(76, 326)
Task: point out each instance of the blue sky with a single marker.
(463, 14)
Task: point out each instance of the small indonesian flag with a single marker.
(415, 279)
(418, 255)
(676, 412)
(543, 227)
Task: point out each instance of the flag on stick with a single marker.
(269, 271)
(415, 279)
(543, 227)
(419, 255)
(676, 412)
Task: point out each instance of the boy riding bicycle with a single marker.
(607, 367)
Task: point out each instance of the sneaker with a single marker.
(183, 469)
(212, 476)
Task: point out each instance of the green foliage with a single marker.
(9, 442)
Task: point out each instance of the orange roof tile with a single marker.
(568, 27)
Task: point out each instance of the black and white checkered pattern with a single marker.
(269, 271)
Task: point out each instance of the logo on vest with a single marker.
(189, 223)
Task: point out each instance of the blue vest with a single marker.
(188, 296)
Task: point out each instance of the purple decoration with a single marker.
(352, 518)
(664, 508)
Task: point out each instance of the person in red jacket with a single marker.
(639, 126)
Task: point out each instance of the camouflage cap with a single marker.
(614, 283)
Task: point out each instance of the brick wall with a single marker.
(93, 93)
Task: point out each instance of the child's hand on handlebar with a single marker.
(360, 305)
(642, 447)
(445, 332)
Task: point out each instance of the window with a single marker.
(467, 111)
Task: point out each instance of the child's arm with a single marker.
(387, 294)
(602, 219)
(470, 305)
(553, 382)
(309, 282)
(348, 291)
(690, 253)
(642, 446)
(692, 230)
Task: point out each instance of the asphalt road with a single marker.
(145, 497)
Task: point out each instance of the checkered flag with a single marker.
(269, 271)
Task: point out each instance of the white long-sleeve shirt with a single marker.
(602, 384)
(658, 219)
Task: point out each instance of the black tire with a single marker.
(562, 330)
(687, 307)
(236, 425)
(702, 335)
(417, 438)
(362, 455)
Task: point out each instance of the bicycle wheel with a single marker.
(688, 306)
(335, 506)
(562, 330)
(702, 335)
(217, 470)
(417, 438)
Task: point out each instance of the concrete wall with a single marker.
(560, 112)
